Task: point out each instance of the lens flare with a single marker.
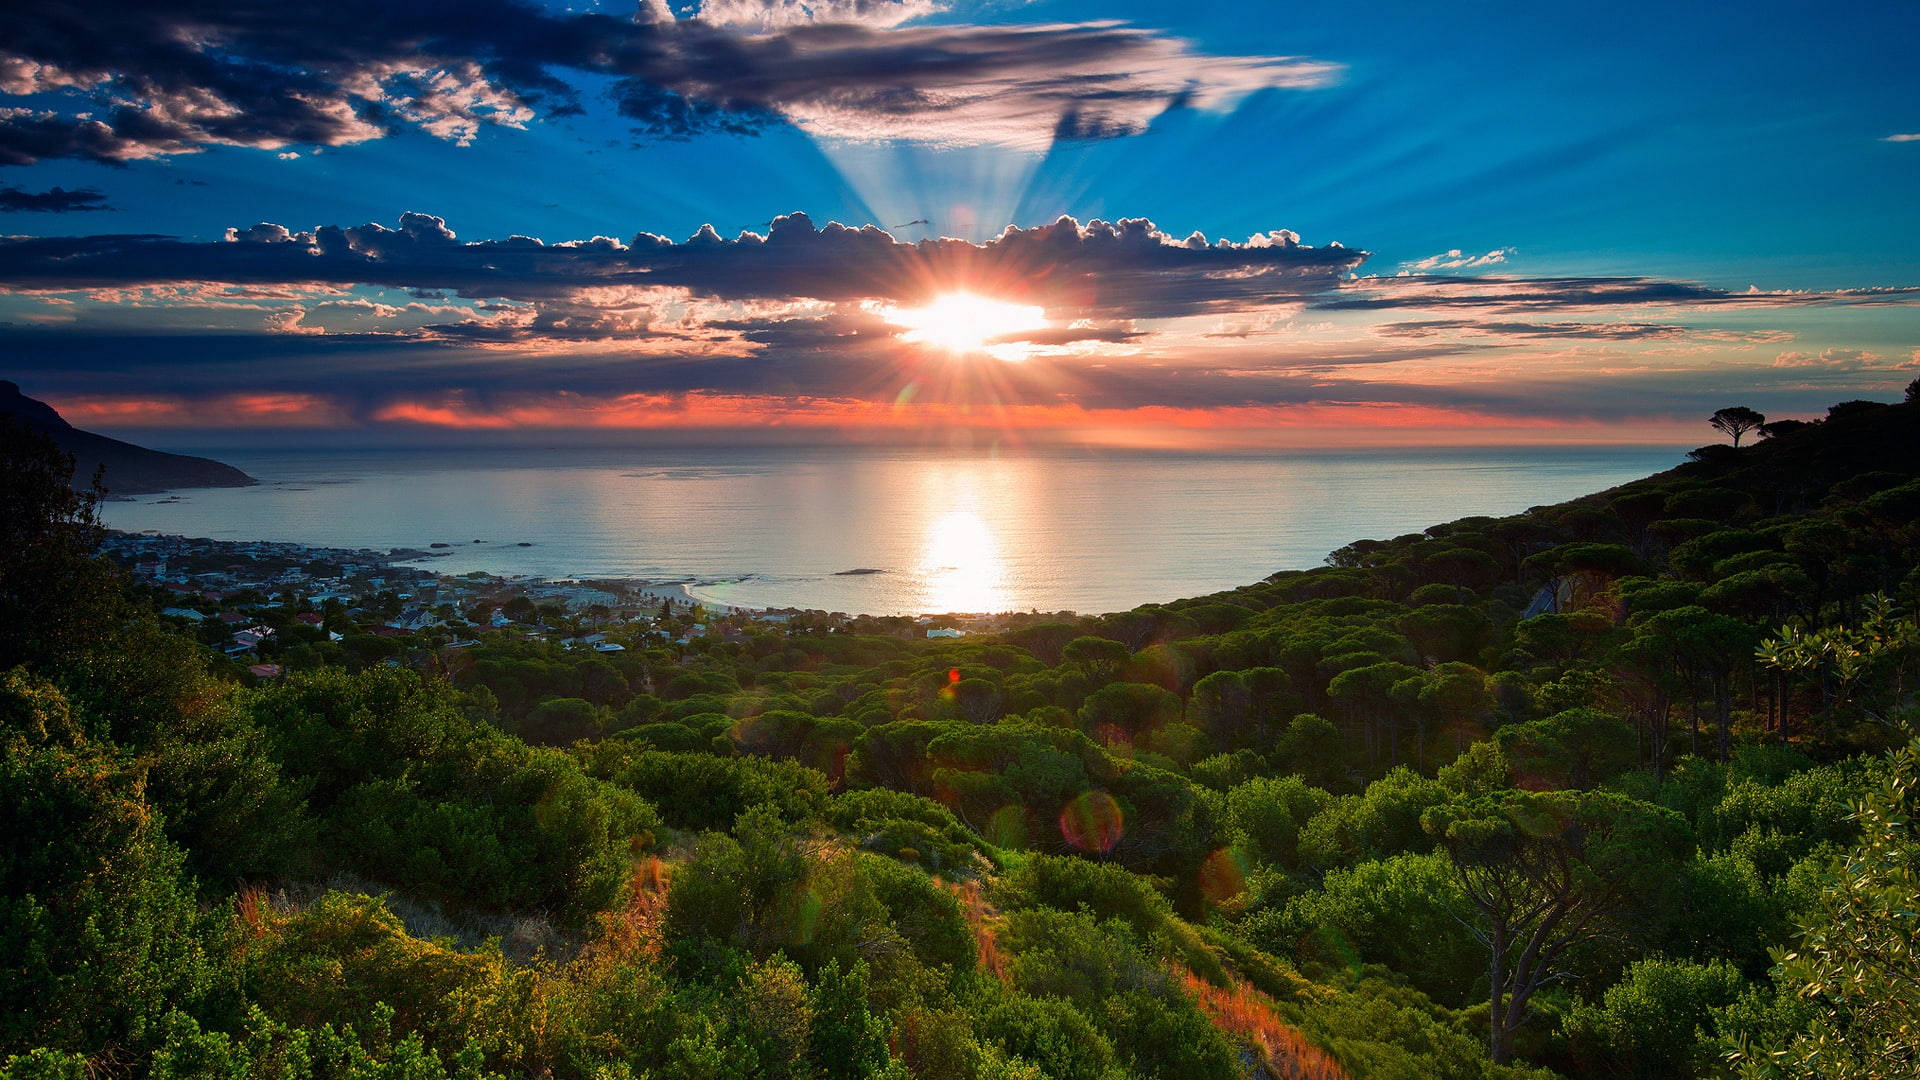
(1007, 828)
(1223, 875)
(1092, 822)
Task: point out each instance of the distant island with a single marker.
(125, 469)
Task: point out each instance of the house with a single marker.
(183, 613)
(311, 618)
(609, 647)
(265, 671)
(945, 632)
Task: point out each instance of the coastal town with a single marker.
(270, 606)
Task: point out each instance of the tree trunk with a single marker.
(1498, 1043)
(1723, 713)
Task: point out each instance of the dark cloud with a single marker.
(56, 201)
(1524, 296)
(1604, 331)
(1123, 269)
(120, 82)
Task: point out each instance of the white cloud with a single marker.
(770, 15)
(1829, 359)
(1454, 259)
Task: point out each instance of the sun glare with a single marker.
(963, 322)
(961, 560)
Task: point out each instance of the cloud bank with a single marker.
(1098, 269)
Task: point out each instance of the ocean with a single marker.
(877, 531)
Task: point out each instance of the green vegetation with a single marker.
(1620, 787)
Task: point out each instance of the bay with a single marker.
(879, 531)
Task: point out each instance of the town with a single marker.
(273, 606)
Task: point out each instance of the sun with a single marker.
(963, 322)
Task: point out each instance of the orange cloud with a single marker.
(244, 410)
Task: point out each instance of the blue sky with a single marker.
(1699, 145)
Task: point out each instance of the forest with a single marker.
(1621, 787)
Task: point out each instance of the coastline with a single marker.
(287, 566)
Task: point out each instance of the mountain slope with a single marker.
(129, 469)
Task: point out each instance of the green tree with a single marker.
(1577, 748)
(57, 599)
(1241, 708)
(1099, 657)
(1545, 872)
(99, 934)
(1855, 968)
(1657, 1021)
(1128, 711)
(1365, 696)
(846, 1040)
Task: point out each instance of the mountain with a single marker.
(129, 469)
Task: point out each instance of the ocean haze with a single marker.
(1052, 530)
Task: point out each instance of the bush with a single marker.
(1656, 1022)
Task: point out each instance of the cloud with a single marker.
(411, 322)
(1830, 360)
(768, 15)
(1521, 296)
(55, 201)
(1452, 259)
(123, 82)
(1605, 331)
(1122, 269)
(234, 410)
(1911, 137)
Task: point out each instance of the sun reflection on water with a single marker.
(961, 564)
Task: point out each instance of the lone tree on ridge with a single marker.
(1736, 421)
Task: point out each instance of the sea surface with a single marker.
(1069, 530)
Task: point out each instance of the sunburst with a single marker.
(963, 322)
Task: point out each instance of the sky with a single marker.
(1208, 225)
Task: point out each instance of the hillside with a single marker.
(1554, 794)
(125, 469)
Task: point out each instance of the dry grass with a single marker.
(637, 929)
(1251, 1016)
(979, 916)
(524, 937)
